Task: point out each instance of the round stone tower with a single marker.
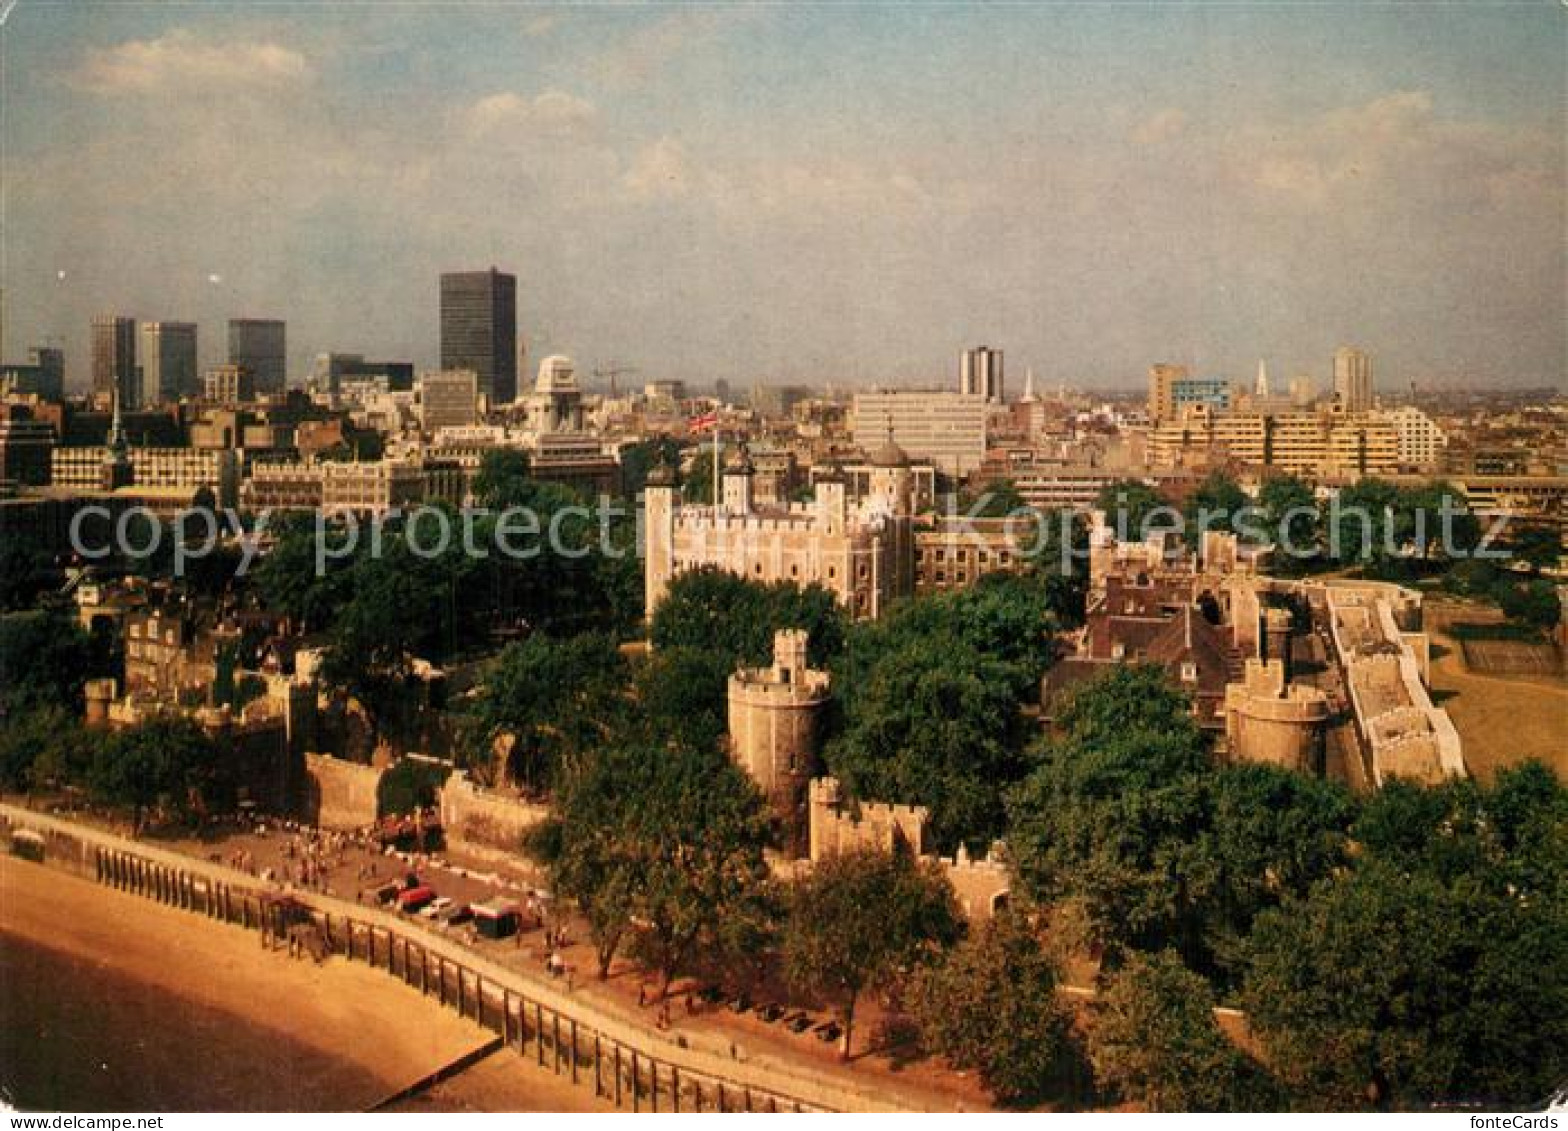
(774, 718)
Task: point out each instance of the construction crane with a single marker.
(612, 372)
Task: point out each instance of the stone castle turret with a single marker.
(774, 722)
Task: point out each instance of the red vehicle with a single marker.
(413, 899)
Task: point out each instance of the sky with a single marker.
(840, 194)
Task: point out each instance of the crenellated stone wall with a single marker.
(481, 816)
(338, 794)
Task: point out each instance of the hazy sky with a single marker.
(806, 192)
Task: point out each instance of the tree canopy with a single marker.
(991, 1007)
(735, 617)
(859, 920)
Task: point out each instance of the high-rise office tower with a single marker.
(1162, 389)
(449, 399)
(259, 345)
(1353, 379)
(114, 360)
(167, 354)
(479, 330)
(980, 371)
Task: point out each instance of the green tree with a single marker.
(502, 480)
(717, 610)
(1117, 815)
(860, 921)
(660, 843)
(1364, 523)
(681, 695)
(1154, 1042)
(702, 828)
(409, 785)
(999, 499)
(37, 743)
(991, 1007)
(44, 659)
(934, 723)
(287, 579)
(1295, 524)
(1130, 506)
(1435, 969)
(639, 459)
(1273, 834)
(697, 481)
(166, 765)
(1215, 504)
(554, 698)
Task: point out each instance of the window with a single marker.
(1118, 651)
(1189, 672)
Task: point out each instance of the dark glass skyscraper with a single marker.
(260, 345)
(479, 329)
(114, 359)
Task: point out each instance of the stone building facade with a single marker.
(863, 554)
(1270, 720)
(774, 719)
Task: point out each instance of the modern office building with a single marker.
(333, 369)
(479, 330)
(260, 345)
(229, 385)
(1211, 391)
(1301, 443)
(980, 373)
(1353, 379)
(150, 468)
(114, 360)
(944, 429)
(1162, 380)
(42, 376)
(449, 399)
(26, 446)
(166, 352)
(1421, 441)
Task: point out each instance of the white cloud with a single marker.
(541, 25)
(660, 170)
(554, 112)
(183, 60)
(1164, 125)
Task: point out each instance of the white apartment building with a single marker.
(1421, 441)
(945, 429)
(183, 468)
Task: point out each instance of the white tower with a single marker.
(1262, 386)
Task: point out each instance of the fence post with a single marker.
(574, 1049)
(636, 1096)
(597, 1075)
(539, 1032)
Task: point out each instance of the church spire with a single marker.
(117, 470)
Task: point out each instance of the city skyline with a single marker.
(805, 195)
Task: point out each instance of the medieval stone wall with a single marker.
(480, 816)
(338, 794)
